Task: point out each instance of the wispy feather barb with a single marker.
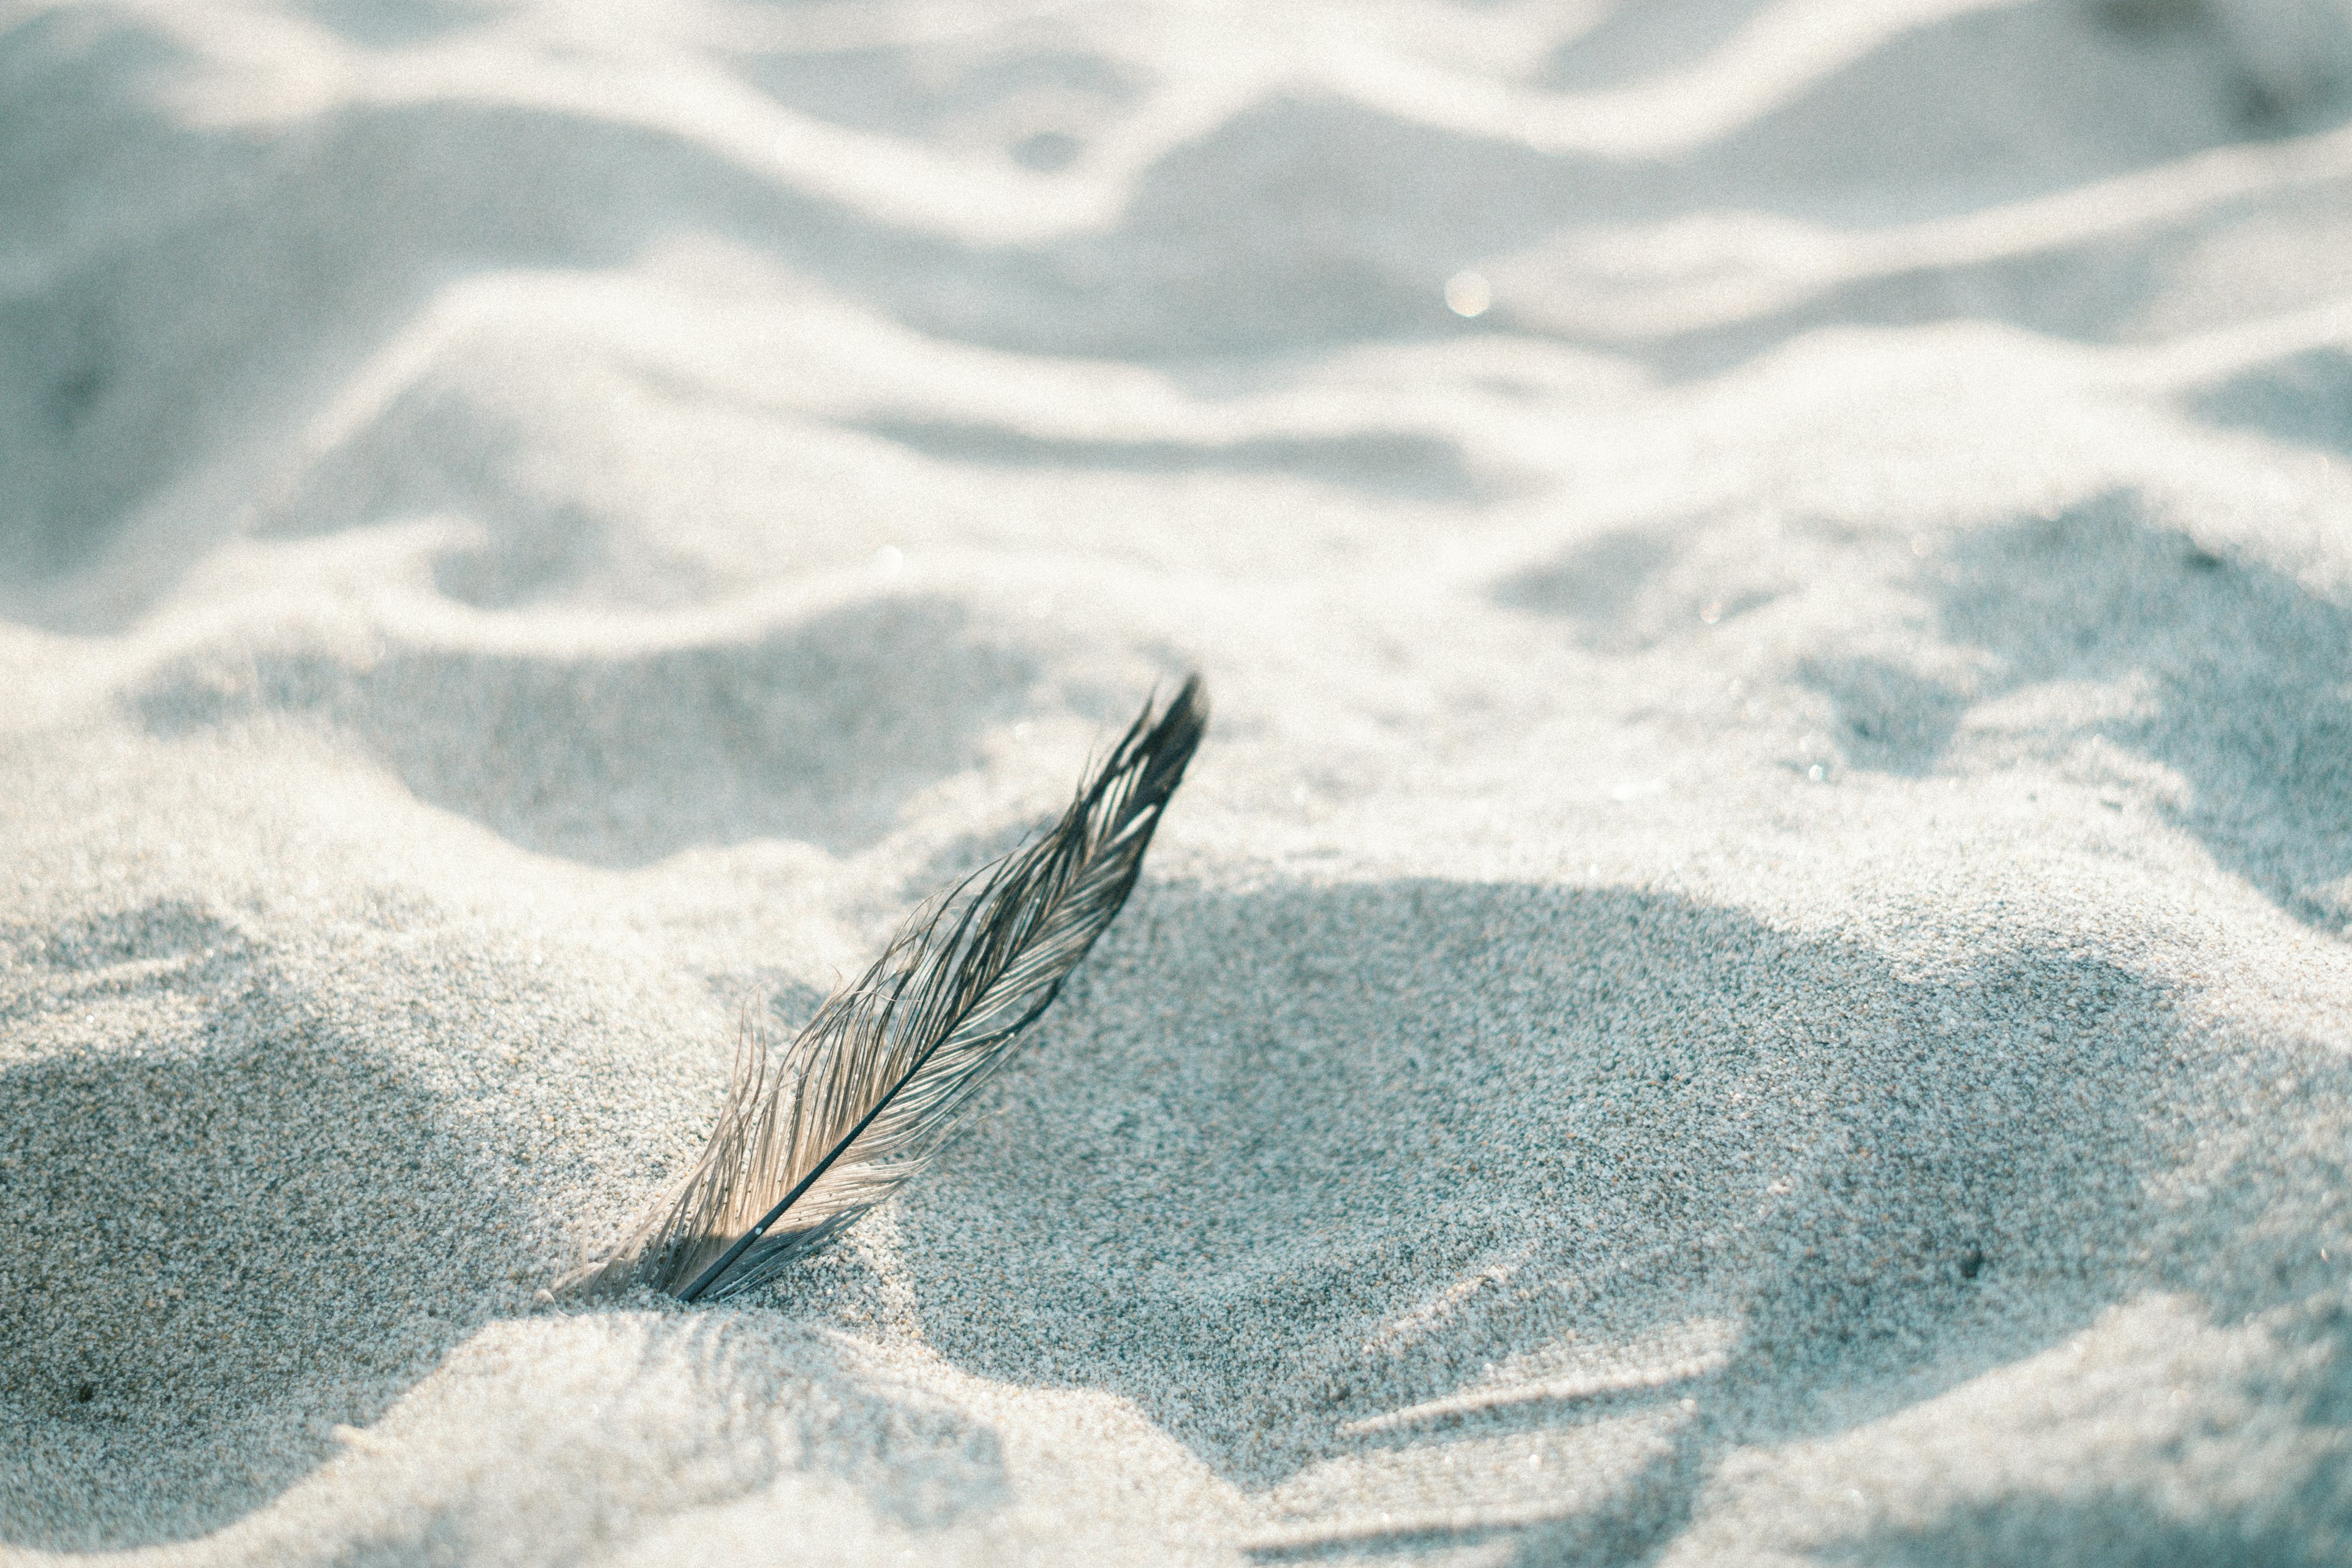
(812, 1139)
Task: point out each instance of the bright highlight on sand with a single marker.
(1468, 294)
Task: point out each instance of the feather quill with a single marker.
(811, 1139)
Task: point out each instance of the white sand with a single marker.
(1754, 970)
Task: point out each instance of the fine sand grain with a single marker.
(1754, 970)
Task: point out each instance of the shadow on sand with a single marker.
(1282, 1166)
(1261, 1125)
(2237, 673)
(198, 1219)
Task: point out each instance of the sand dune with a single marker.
(1753, 969)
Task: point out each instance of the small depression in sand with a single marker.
(2236, 668)
(818, 731)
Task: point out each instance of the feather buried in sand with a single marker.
(811, 1139)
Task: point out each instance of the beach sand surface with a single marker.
(1754, 968)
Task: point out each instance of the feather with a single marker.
(811, 1138)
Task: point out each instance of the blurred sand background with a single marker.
(1754, 970)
